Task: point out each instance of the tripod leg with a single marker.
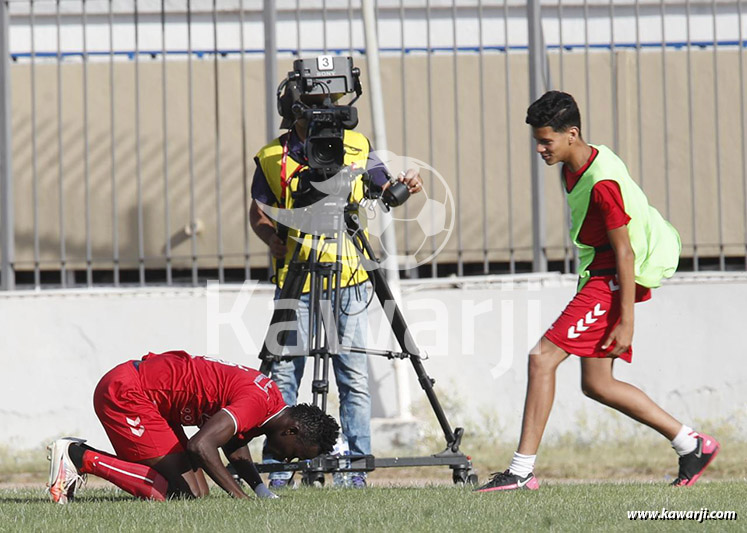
(404, 339)
(291, 291)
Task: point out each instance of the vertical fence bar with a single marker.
(587, 69)
(567, 248)
(509, 168)
(191, 147)
(6, 177)
(431, 133)
(60, 153)
(613, 79)
(457, 160)
(270, 22)
(403, 88)
(690, 108)
(639, 94)
(536, 88)
(664, 106)
(324, 26)
(113, 152)
(165, 131)
(483, 142)
(271, 68)
(218, 210)
(560, 46)
(244, 152)
(298, 28)
(717, 140)
(34, 152)
(741, 126)
(138, 155)
(86, 155)
(350, 28)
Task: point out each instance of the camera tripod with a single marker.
(324, 311)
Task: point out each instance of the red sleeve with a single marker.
(254, 404)
(606, 197)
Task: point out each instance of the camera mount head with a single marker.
(317, 82)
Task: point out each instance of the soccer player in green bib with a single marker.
(625, 248)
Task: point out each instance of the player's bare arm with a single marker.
(238, 454)
(622, 334)
(203, 449)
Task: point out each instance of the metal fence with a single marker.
(130, 127)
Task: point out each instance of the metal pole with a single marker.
(34, 156)
(6, 178)
(457, 162)
(86, 154)
(717, 139)
(218, 188)
(664, 99)
(269, 15)
(483, 145)
(60, 157)
(431, 119)
(379, 127)
(741, 127)
(113, 150)
(138, 156)
(509, 167)
(165, 130)
(691, 138)
(244, 155)
(536, 89)
(191, 145)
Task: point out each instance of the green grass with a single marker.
(555, 507)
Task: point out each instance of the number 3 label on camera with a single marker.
(325, 63)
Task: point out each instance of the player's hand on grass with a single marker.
(264, 493)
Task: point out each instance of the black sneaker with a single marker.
(508, 481)
(694, 463)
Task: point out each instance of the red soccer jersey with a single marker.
(187, 390)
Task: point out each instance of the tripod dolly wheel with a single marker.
(464, 476)
(313, 479)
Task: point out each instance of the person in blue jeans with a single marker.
(280, 168)
(350, 370)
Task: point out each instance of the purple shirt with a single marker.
(262, 193)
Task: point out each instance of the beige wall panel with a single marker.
(503, 200)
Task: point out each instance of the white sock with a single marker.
(685, 442)
(522, 465)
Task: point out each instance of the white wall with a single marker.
(688, 356)
(312, 29)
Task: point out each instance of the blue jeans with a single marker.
(351, 369)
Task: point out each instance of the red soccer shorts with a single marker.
(135, 428)
(590, 317)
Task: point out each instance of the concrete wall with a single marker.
(56, 345)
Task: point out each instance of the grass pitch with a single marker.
(555, 507)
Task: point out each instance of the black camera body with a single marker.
(325, 149)
(309, 93)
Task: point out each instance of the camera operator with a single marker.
(279, 167)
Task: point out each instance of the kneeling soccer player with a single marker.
(625, 249)
(143, 406)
